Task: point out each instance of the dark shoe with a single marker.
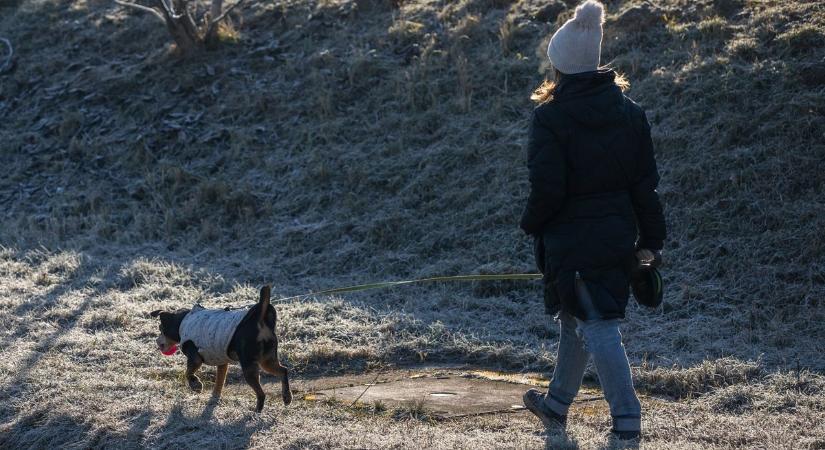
(534, 401)
(626, 435)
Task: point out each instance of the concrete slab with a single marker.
(443, 394)
(439, 396)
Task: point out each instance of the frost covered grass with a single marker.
(79, 368)
(339, 142)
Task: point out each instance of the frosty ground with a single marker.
(79, 368)
(329, 143)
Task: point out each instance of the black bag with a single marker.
(647, 285)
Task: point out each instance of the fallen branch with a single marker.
(142, 8)
(7, 63)
(367, 388)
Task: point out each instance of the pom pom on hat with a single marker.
(576, 47)
(589, 14)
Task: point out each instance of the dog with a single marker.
(219, 337)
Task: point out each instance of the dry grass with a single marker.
(79, 369)
(334, 142)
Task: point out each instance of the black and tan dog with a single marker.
(219, 337)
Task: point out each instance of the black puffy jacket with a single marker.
(593, 197)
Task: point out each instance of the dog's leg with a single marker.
(193, 363)
(251, 374)
(220, 379)
(274, 367)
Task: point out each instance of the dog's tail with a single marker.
(266, 291)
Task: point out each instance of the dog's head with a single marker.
(169, 327)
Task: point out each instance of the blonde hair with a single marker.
(544, 93)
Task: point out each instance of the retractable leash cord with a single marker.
(390, 284)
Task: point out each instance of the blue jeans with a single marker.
(601, 338)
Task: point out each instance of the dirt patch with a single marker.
(438, 394)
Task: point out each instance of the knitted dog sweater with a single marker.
(211, 330)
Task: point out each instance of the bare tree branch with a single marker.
(214, 22)
(215, 8)
(177, 16)
(227, 11)
(181, 5)
(142, 8)
(168, 9)
(7, 63)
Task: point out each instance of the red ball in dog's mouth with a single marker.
(171, 351)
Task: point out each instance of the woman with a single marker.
(593, 184)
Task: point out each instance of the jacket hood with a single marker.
(591, 98)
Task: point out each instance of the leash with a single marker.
(391, 284)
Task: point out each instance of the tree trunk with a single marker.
(182, 28)
(214, 12)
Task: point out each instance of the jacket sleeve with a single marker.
(548, 177)
(646, 204)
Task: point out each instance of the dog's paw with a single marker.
(196, 385)
(287, 397)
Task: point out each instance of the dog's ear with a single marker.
(156, 312)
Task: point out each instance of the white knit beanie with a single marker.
(577, 45)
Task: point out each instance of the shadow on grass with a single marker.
(184, 430)
(41, 429)
(559, 439)
(17, 385)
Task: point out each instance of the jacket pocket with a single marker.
(552, 303)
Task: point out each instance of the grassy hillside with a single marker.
(335, 142)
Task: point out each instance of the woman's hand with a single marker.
(649, 257)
